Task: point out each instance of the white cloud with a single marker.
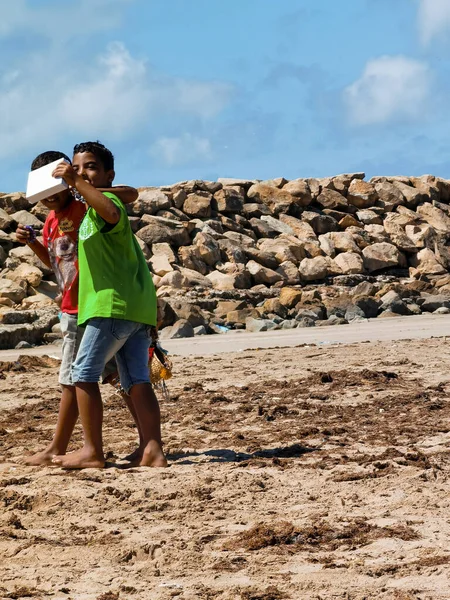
(182, 150)
(57, 22)
(390, 88)
(117, 96)
(433, 18)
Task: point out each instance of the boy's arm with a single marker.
(23, 236)
(107, 210)
(125, 193)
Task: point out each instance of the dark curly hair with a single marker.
(46, 158)
(99, 151)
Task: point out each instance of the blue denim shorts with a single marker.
(105, 337)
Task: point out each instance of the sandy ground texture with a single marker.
(295, 473)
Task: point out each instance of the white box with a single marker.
(41, 184)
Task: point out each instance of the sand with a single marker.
(296, 473)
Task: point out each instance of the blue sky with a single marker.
(200, 89)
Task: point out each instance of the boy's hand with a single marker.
(65, 171)
(23, 235)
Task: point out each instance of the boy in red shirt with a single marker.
(59, 252)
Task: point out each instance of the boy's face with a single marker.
(90, 168)
(59, 201)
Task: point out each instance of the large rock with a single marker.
(257, 325)
(389, 195)
(228, 200)
(319, 222)
(381, 256)
(12, 290)
(412, 195)
(278, 225)
(432, 303)
(185, 311)
(332, 199)
(31, 332)
(300, 189)
(301, 229)
(349, 262)
(342, 241)
(290, 297)
(26, 218)
(278, 201)
(289, 272)
(283, 249)
(160, 264)
(198, 205)
(427, 263)
(37, 301)
(150, 201)
(5, 220)
(434, 216)
(24, 272)
(180, 329)
(262, 274)
(361, 194)
(314, 269)
(176, 234)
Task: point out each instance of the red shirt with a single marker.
(60, 235)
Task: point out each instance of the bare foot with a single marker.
(153, 456)
(81, 459)
(40, 459)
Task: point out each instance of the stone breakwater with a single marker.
(259, 255)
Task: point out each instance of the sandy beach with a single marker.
(312, 472)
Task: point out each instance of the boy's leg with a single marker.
(132, 361)
(68, 408)
(103, 338)
(110, 375)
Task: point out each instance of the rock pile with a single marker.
(260, 255)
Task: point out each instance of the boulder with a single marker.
(381, 256)
(180, 329)
(320, 223)
(150, 201)
(349, 262)
(369, 217)
(262, 274)
(389, 195)
(412, 195)
(434, 216)
(331, 199)
(164, 249)
(160, 264)
(186, 311)
(289, 271)
(240, 316)
(5, 220)
(198, 205)
(12, 290)
(426, 262)
(349, 221)
(278, 201)
(433, 303)
(279, 226)
(37, 301)
(158, 231)
(368, 305)
(301, 229)
(257, 325)
(314, 269)
(290, 297)
(26, 218)
(361, 194)
(300, 189)
(25, 272)
(228, 200)
(282, 249)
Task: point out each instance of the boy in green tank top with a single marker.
(117, 307)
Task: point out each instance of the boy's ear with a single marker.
(110, 176)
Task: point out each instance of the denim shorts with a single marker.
(105, 337)
(72, 335)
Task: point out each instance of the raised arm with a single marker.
(93, 196)
(124, 192)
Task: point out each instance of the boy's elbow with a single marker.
(114, 217)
